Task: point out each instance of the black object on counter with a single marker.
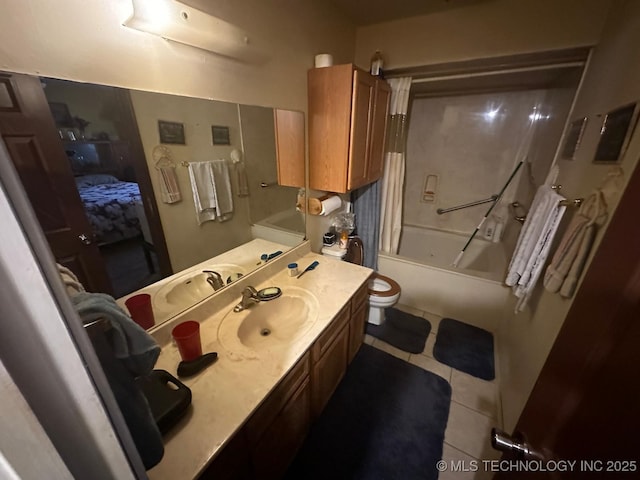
(167, 396)
(187, 369)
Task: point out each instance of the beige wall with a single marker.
(84, 40)
(486, 29)
(613, 80)
(189, 243)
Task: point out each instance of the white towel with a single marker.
(204, 190)
(224, 198)
(534, 243)
(567, 264)
(169, 188)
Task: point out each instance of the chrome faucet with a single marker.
(214, 279)
(249, 297)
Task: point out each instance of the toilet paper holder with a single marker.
(316, 205)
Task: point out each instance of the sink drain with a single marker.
(265, 332)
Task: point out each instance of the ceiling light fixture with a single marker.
(180, 23)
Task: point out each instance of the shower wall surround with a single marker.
(471, 143)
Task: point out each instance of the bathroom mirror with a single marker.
(101, 150)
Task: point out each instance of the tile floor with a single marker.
(475, 407)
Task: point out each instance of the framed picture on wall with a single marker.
(171, 132)
(615, 133)
(220, 135)
(574, 136)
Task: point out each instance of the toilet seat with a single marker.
(393, 290)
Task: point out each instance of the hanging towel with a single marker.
(568, 262)
(534, 243)
(169, 188)
(204, 190)
(131, 344)
(224, 198)
(241, 180)
(137, 353)
(70, 281)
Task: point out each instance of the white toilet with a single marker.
(383, 291)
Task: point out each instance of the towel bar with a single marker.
(576, 202)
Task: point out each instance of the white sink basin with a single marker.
(190, 288)
(270, 324)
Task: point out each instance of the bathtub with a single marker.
(286, 227)
(473, 292)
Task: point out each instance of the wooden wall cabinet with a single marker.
(289, 130)
(348, 111)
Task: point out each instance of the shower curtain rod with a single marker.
(495, 72)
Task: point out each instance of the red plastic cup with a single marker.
(187, 337)
(139, 307)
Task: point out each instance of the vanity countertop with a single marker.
(229, 391)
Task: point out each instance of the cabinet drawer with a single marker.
(331, 332)
(361, 296)
(278, 398)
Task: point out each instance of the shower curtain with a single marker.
(393, 177)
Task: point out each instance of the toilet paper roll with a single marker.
(330, 204)
(324, 60)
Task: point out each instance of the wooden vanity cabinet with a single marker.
(348, 110)
(269, 441)
(357, 323)
(329, 356)
(278, 428)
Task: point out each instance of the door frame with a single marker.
(141, 171)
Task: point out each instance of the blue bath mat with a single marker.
(386, 420)
(402, 330)
(465, 348)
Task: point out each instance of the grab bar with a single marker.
(492, 198)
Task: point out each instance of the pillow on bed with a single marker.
(95, 179)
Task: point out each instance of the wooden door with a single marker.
(585, 405)
(28, 130)
(379, 130)
(360, 137)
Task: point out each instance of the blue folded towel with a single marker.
(131, 344)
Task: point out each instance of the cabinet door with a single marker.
(379, 130)
(329, 370)
(232, 463)
(360, 135)
(281, 441)
(356, 326)
(289, 127)
(329, 93)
